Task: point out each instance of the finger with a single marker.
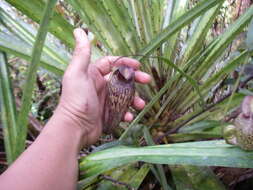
(128, 117)
(138, 103)
(107, 77)
(81, 54)
(106, 64)
(142, 77)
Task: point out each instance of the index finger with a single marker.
(105, 64)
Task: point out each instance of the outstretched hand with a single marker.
(83, 88)
(77, 122)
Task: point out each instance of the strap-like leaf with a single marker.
(31, 77)
(8, 110)
(178, 24)
(205, 153)
(34, 10)
(15, 46)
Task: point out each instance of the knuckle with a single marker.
(78, 50)
(86, 107)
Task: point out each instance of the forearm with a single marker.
(50, 162)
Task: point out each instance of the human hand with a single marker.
(83, 89)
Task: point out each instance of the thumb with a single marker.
(82, 51)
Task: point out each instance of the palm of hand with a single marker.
(83, 97)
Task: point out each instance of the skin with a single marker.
(51, 161)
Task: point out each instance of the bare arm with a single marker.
(50, 163)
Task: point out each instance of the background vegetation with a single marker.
(199, 54)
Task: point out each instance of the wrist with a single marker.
(86, 121)
(65, 124)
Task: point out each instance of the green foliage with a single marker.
(8, 110)
(188, 65)
(178, 24)
(193, 177)
(58, 25)
(156, 169)
(249, 39)
(205, 153)
(22, 121)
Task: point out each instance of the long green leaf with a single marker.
(138, 178)
(98, 16)
(229, 66)
(180, 178)
(182, 21)
(195, 136)
(236, 85)
(196, 177)
(8, 110)
(157, 15)
(203, 178)
(27, 33)
(179, 8)
(31, 77)
(215, 112)
(34, 10)
(249, 38)
(196, 40)
(193, 83)
(119, 13)
(205, 153)
(160, 171)
(128, 174)
(142, 10)
(15, 46)
(223, 41)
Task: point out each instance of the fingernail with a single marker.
(142, 102)
(78, 32)
(146, 76)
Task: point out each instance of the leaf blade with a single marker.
(177, 25)
(8, 110)
(205, 153)
(31, 77)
